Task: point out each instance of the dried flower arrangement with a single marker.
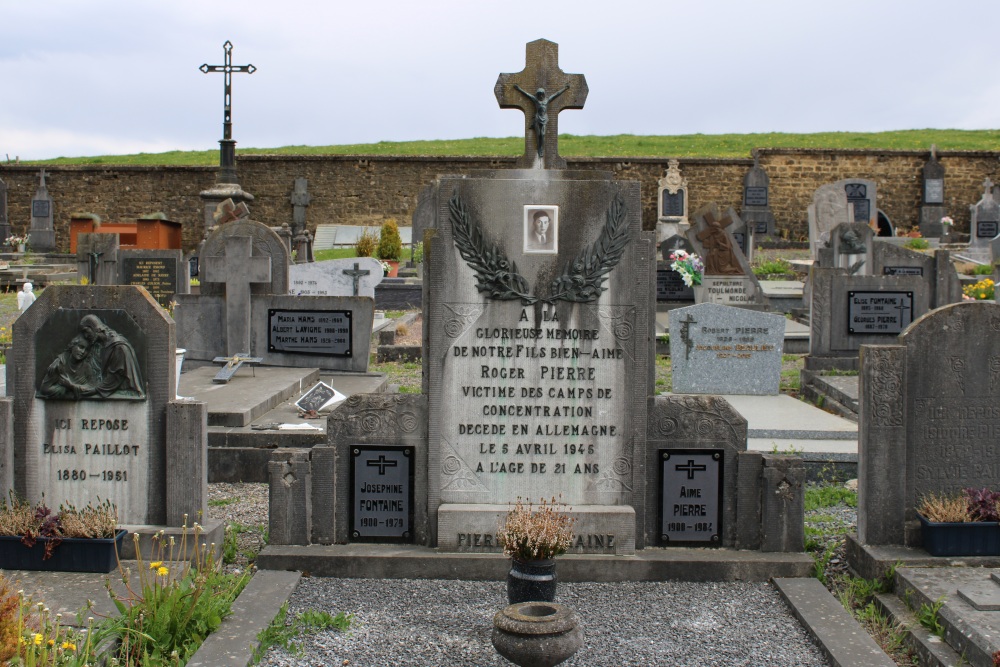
(19, 518)
(527, 533)
(971, 505)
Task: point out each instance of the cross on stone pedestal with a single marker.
(541, 90)
(300, 201)
(238, 269)
(356, 273)
(227, 147)
(232, 364)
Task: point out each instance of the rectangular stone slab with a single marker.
(247, 396)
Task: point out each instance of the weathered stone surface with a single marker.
(335, 277)
(849, 200)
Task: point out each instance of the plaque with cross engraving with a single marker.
(691, 496)
(381, 494)
(879, 312)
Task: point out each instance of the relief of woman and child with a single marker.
(99, 363)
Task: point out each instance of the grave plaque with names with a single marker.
(319, 332)
(670, 286)
(157, 274)
(40, 208)
(879, 312)
(691, 496)
(673, 203)
(934, 191)
(381, 494)
(755, 196)
(987, 229)
(902, 270)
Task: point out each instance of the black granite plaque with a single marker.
(879, 312)
(319, 332)
(862, 210)
(381, 494)
(934, 191)
(670, 286)
(157, 274)
(40, 208)
(902, 271)
(316, 398)
(755, 196)
(986, 229)
(673, 204)
(193, 266)
(761, 228)
(691, 496)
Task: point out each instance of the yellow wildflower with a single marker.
(155, 564)
(38, 639)
(52, 642)
(163, 571)
(69, 646)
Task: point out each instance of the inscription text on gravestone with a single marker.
(320, 332)
(382, 494)
(691, 496)
(879, 312)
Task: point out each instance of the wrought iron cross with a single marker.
(541, 90)
(227, 153)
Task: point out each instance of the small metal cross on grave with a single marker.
(690, 468)
(227, 152)
(237, 269)
(232, 364)
(541, 90)
(382, 463)
(356, 274)
(686, 335)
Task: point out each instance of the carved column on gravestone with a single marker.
(932, 198)
(4, 221)
(301, 239)
(672, 203)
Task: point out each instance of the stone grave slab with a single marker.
(247, 396)
(336, 277)
(723, 350)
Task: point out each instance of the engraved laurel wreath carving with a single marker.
(582, 280)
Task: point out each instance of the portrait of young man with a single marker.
(541, 230)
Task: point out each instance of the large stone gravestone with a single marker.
(245, 306)
(301, 238)
(42, 231)
(928, 421)
(756, 209)
(97, 258)
(723, 350)
(932, 197)
(356, 276)
(95, 417)
(850, 200)
(985, 226)
(851, 307)
(670, 285)
(423, 214)
(728, 278)
(164, 273)
(4, 220)
(672, 203)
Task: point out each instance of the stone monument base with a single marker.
(598, 529)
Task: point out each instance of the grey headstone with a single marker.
(672, 195)
(423, 214)
(985, 224)
(97, 258)
(163, 273)
(932, 198)
(300, 202)
(42, 231)
(853, 248)
(4, 220)
(928, 421)
(330, 277)
(729, 279)
(850, 200)
(756, 208)
(723, 350)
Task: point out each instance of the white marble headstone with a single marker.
(328, 278)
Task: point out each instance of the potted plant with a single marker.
(70, 540)
(533, 537)
(966, 524)
(390, 246)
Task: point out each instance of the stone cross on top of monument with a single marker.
(227, 150)
(541, 90)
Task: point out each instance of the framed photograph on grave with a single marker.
(320, 397)
(541, 230)
(381, 494)
(691, 497)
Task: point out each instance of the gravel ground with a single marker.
(419, 622)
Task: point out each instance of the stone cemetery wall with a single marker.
(352, 189)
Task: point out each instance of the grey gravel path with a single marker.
(410, 622)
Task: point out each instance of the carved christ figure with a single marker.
(541, 113)
(720, 260)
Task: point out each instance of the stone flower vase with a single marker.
(531, 580)
(537, 634)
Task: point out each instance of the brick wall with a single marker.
(367, 189)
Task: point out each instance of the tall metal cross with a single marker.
(541, 90)
(227, 152)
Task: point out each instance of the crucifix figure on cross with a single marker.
(227, 152)
(541, 73)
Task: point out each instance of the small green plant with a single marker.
(821, 561)
(917, 244)
(282, 632)
(418, 252)
(983, 270)
(367, 243)
(222, 502)
(822, 497)
(787, 450)
(771, 267)
(390, 246)
(928, 615)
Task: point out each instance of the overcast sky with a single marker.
(121, 76)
